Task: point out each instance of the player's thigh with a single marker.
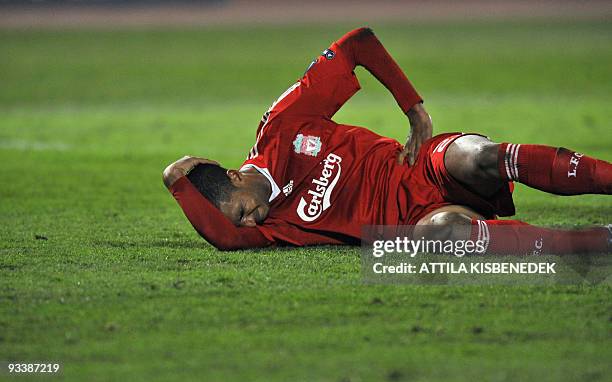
(472, 160)
(453, 222)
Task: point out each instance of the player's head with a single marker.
(234, 193)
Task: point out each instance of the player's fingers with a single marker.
(400, 157)
(413, 155)
(199, 160)
(411, 150)
(417, 146)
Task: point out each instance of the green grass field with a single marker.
(100, 270)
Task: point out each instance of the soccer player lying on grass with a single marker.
(308, 180)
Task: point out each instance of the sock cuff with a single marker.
(507, 163)
(480, 232)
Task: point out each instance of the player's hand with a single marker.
(421, 129)
(182, 167)
(188, 162)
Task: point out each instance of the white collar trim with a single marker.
(275, 189)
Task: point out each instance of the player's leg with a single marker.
(472, 160)
(510, 237)
(446, 223)
(484, 166)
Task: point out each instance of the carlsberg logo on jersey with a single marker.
(319, 195)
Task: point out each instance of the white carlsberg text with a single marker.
(319, 195)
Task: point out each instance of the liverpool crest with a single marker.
(307, 145)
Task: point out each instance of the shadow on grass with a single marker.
(163, 243)
(189, 243)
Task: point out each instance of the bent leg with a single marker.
(510, 237)
(472, 160)
(446, 223)
(484, 166)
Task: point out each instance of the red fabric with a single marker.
(335, 178)
(210, 223)
(555, 170)
(361, 47)
(213, 226)
(369, 176)
(514, 237)
(330, 81)
(307, 108)
(352, 180)
(371, 189)
(429, 186)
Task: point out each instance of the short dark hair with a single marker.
(212, 182)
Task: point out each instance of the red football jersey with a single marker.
(326, 177)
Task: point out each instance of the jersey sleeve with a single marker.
(219, 231)
(211, 224)
(330, 80)
(284, 233)
(327, 84)
(364, 49)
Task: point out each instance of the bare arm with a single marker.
(421, 129)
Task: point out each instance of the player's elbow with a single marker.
(169, 176)
(364, 31)
(361, 34)
(352, 39)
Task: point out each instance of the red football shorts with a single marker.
(429, 186)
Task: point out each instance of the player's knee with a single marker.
(445, 225)
(478, 161)
(449, 218)
(479, 156)
(485, 158)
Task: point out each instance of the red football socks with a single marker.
(514, 237)
(554, 169)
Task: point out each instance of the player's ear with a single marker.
(234, 176)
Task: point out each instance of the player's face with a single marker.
(245, 208)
